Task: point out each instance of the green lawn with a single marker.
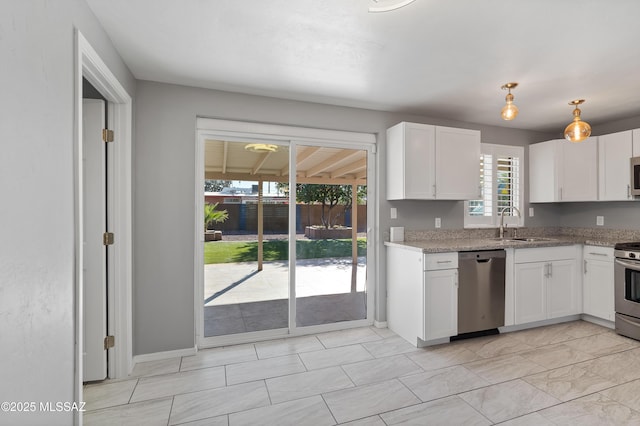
(245, 251)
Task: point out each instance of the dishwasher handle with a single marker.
(484, 260)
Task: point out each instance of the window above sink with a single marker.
(501, 186)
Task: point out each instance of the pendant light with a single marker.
(577, 130)
(509, 111)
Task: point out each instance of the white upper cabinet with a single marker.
(614, 151)
(543, 180)
(457, 164)
(636, 142)
(426, 162)
(563, 171)
(410, 162)
(579, 170)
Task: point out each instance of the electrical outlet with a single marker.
(438, 222)
(394, 213)
(530, 211)
(600, 220)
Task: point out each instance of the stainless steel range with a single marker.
(627, 289)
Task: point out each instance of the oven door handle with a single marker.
(635, 266)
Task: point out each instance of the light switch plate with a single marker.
(600, 220)
(530, 211)
(394, 213)
(438, 222)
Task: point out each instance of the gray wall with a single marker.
(37, 283)
(165, 170)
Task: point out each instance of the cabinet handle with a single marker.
(434, 190)
(598, 254)
(443, 261)
(560, 194)
(550, 270)
(628, 191)
(585, 266)
(456, 275)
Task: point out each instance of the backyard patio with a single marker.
(239, 298)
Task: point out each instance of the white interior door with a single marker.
(94, 251)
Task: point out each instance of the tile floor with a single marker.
(572, 373)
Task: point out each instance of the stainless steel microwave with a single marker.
(635, 176)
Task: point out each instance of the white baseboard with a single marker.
(157, 356)
(380, 324)
(535, 324)
(599, 321)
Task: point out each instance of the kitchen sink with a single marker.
(523, 239)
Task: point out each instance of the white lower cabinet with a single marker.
(422, 294)
(546, 283)
(441, 303)
(598, 296)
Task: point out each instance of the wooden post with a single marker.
(354, 235)
(354, 223)
(260, 225)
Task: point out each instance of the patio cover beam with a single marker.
(225, 155)
(260, 162)
(349, 168)
(329, 162)
(273, 178)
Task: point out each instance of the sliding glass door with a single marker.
(331, 223)
(246, 285)
(284, 237)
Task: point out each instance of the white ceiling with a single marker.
(440, 58)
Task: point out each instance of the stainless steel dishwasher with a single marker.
(480, 290)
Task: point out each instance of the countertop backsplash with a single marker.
(621, 235)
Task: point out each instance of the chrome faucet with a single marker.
(502, 225)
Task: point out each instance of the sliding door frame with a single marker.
(292, 137)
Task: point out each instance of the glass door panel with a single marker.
(331, 224)
(246, 273)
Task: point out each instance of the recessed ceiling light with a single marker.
(389, 5)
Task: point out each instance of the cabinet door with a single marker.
(614, 151)
(405, 310)
(579, 170)
(410, 162)
(441, 304)
(530, 292)
(598, 289)
(563, 290)
(636, 143)
(543, 185)
(457, 154)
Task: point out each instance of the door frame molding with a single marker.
(242, 131)
(89, 65)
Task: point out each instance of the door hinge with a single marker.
(109, 342)
(107, 135)
(107, 238)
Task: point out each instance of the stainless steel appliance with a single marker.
(627, 289)
(634, 187)
(480, 290)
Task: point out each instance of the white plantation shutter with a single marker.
(501, 186)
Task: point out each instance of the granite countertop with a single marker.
(469, 244)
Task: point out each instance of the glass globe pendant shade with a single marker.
(577, 130)
(509, 111)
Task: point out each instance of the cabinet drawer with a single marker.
(544, 254)
(435, 261)
(598, 253)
